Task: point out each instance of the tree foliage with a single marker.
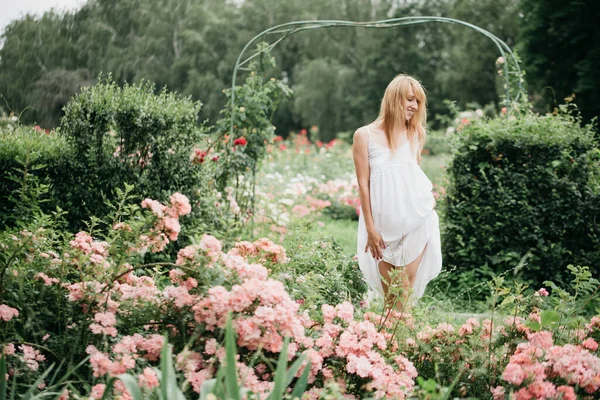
(560, 45)
(338, 74)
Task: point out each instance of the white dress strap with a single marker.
(368, 131)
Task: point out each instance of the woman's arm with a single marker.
(360, 154)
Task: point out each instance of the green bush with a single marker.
(319, 272)
(27, 152)
(127, 135)
(523, 192)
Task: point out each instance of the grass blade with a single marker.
(280, 373)
(72, 370)
(32, 388)
(207, 387)
(454, 382)
(231, 380)
(3, 381)
(108, 389)
(294, 368)
(168, 382)
(131, 385)
(302, 383)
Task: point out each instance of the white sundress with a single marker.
(402, 207)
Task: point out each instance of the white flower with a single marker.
(479, 112)
(500, 60)
(287, 202)
(450, 130)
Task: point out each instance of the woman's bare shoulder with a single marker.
(360, 135)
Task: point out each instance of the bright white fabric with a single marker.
(402, 207)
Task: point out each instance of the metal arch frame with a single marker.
(291, 28)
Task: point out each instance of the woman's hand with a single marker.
(376, 243)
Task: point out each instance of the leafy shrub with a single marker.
(523, 192)
(25, 153)
(318, 271)
(127, 135)
(241, 154)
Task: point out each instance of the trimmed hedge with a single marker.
(523, 191)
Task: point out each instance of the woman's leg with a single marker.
(384, 270)
(411, 271)
(408, 275)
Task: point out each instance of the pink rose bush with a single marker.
(119, 309)
(7, 313)
(537, 364)
(114, 291)
(167, 225)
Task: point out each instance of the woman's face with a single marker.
(411, 104)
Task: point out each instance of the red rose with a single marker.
(241, 141)
(303, 132)
(198, 156)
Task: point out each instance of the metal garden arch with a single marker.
(284, 31)
(289, 28)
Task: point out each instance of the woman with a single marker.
(398, 226)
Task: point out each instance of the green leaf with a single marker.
(534, 325)
(508, 300)
(302, 383)
(231, 382)
(294, 368)
(3, 382)
(207, 387)
(168, 381)
(549, 317)
(108, 389)
(131, 385)
(280, 373)
(428, 385)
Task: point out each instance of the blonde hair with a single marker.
(392, 116)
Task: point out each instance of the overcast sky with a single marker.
(15, 9)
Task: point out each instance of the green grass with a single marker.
(343, 230)
(435, 167)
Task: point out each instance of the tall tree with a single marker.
(33, 49)
(560, 46)
(191, 47)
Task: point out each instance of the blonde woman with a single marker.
(398, 226)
